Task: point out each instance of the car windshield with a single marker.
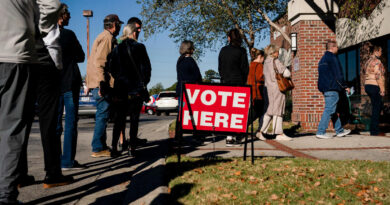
(167, 95)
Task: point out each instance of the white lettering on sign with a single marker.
(187, 118)
(212, 99)
(192, 97)
(236, 121)
(221, 118)
(205, 119)
(238, 99)
(224, 96)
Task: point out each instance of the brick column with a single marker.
(308, 102)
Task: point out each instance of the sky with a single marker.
(162, 50)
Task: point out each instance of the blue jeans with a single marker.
(71, 102)
(102, 114)
(331, 99)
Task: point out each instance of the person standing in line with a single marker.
(186, 68)
(95, 79)
(233, 68)
(330, 83)
(71, 82)
(275, 100)
(130, 66)
(374, 85)
(256, 81)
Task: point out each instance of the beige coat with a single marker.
(275, 100)
(101, 47)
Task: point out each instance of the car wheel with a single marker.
(167, 113)
(150, 112)
(158, 113)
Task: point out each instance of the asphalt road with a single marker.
(106, 180)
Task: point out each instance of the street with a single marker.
(106, 180)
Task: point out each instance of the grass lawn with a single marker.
(277, 181)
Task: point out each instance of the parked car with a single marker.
(166, 102)
(150, 107)
(87, 104)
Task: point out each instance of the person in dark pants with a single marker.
(256, 81)
(129, 65)
(71, 81)
(233, 67)
(374, 85)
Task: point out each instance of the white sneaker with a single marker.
(260, 136)
(283, 137)
(343, 133)
(324, 136)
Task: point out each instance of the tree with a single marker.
(156, 89)
(172, 88)
(210, 75)
(206, 21)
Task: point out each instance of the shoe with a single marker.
(283, 137)
(76, 166)
(26, 181)
(139, 141)
(58, 180)
(231, 141)
(104, 153)
(344, 133)
(260, 136)
(324, 136)
(131, 152)
(115, 154)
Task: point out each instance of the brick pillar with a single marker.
(308, 102)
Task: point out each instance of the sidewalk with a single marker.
(141, 180)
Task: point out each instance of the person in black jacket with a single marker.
(186, 67)
(131, 74)
(330, 83)
(233, 66)
(71, 81)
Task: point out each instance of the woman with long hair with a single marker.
(256, 81)
(374, 85)
(275, 100)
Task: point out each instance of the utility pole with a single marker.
(87, 14)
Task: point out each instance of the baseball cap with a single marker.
(111, 19)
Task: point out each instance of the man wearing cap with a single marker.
(101, 47)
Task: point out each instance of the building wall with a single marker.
(308, 102)
(276, 38)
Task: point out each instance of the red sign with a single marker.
(217, 108)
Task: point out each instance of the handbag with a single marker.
(142, 91)
(284, 84)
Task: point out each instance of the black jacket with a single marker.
(72, 53)
(187, 72)
(122, 70)
(233, 65)
(330, 74)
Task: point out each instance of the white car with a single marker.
(166, 102)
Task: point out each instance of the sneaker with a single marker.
(324, 136)
(231, 141)
(344, 133)
(283, 137)
(26, 181)
(58, 180)
(104, 153)
(76, 166)
(260, 136)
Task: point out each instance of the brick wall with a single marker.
(308, 102)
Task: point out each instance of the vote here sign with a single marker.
(217, 108)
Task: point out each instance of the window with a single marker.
(350, 62)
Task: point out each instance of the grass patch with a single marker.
(278, 180)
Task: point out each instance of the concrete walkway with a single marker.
(141, 180)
